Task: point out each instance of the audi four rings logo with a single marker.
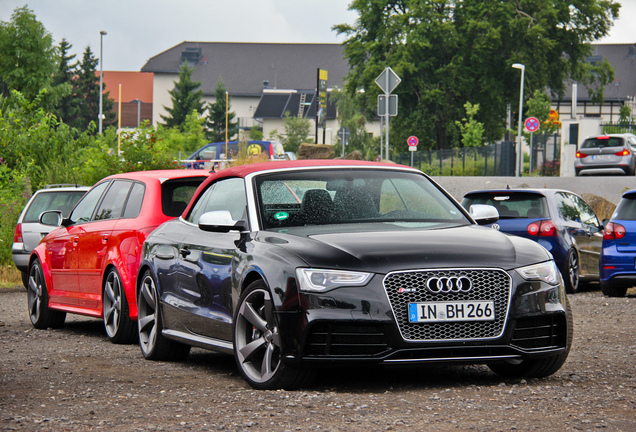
(449, 284)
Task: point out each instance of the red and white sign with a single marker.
(412, 141)
(532, 124)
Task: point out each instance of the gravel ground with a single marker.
(74, 379)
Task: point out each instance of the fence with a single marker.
(618, 127)
(490, 160)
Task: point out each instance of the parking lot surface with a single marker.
(74, 379)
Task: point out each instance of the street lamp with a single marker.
(518, 162)
(101, 74)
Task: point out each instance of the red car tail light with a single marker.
(17, 235)
(623, 152)
(613, 231)
(581, 155)
(545, 228)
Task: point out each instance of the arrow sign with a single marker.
(387, 80)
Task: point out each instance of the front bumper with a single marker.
(360, 325)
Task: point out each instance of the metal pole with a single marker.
(101, 73)
(386, 112)
(519, 158)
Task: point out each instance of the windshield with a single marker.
(602, 142)
(335, 196)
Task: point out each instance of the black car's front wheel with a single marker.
(154, 346)
(257, 343)
(571, 272)
(120, 329)
(41, 315)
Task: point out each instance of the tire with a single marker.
(38, 301)
(571, 272)
(538, 368)
(120, 329)
(612, 290)
(257, 343)
(154, 346)
(25, 279)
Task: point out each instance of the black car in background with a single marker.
(559, 220)
(295, 264)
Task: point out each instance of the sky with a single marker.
(140, 29)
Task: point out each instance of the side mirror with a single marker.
(220, 221)
(484, 214)
(51, 218)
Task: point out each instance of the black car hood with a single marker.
(382, 251)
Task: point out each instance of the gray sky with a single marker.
(140, 29)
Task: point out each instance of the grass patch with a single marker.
(10, 276)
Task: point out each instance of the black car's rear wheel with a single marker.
(154, 346)
(120, 329)
(257, 343)
(538, 368)
(38, 301)
(571, 272)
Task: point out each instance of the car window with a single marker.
(340, 196)
(63, 201)
(626, 209)
(567, 207)
(226, 194)
(177, 193)
(208, 152)
(587, 215)
(511, 205)
(113, 203)
(602, 142)
(135, 200)
(85, 208)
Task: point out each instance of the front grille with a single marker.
(403, 288)
(345, 340)
(540, 332)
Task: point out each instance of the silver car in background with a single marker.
(29, 231)
(607, 154)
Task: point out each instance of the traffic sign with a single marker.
(388, 80)
(382, 105)
(343, 134)
(412, 141)
(531, 124)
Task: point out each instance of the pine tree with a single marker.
(185, 99)
(215, 121)
(67, 107)
(87, 91)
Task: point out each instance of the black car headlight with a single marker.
(319, 280)
(545, 272)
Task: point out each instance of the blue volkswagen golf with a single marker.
(559, 220)
(618, 256)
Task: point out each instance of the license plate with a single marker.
(430, 312)
(600, 157)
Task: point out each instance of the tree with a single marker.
(449, 52)
(185, 98)
(67, 107)
(471, 130)
(87, 93)
(27, 58)
(350, 116)
(215, 121)
(297, 131)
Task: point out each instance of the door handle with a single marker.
(105, 239)
(75, 241)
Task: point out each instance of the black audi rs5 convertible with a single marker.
(294, 265)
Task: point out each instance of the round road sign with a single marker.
(532, 124)
(412, 141)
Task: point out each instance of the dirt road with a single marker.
(74, 379)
